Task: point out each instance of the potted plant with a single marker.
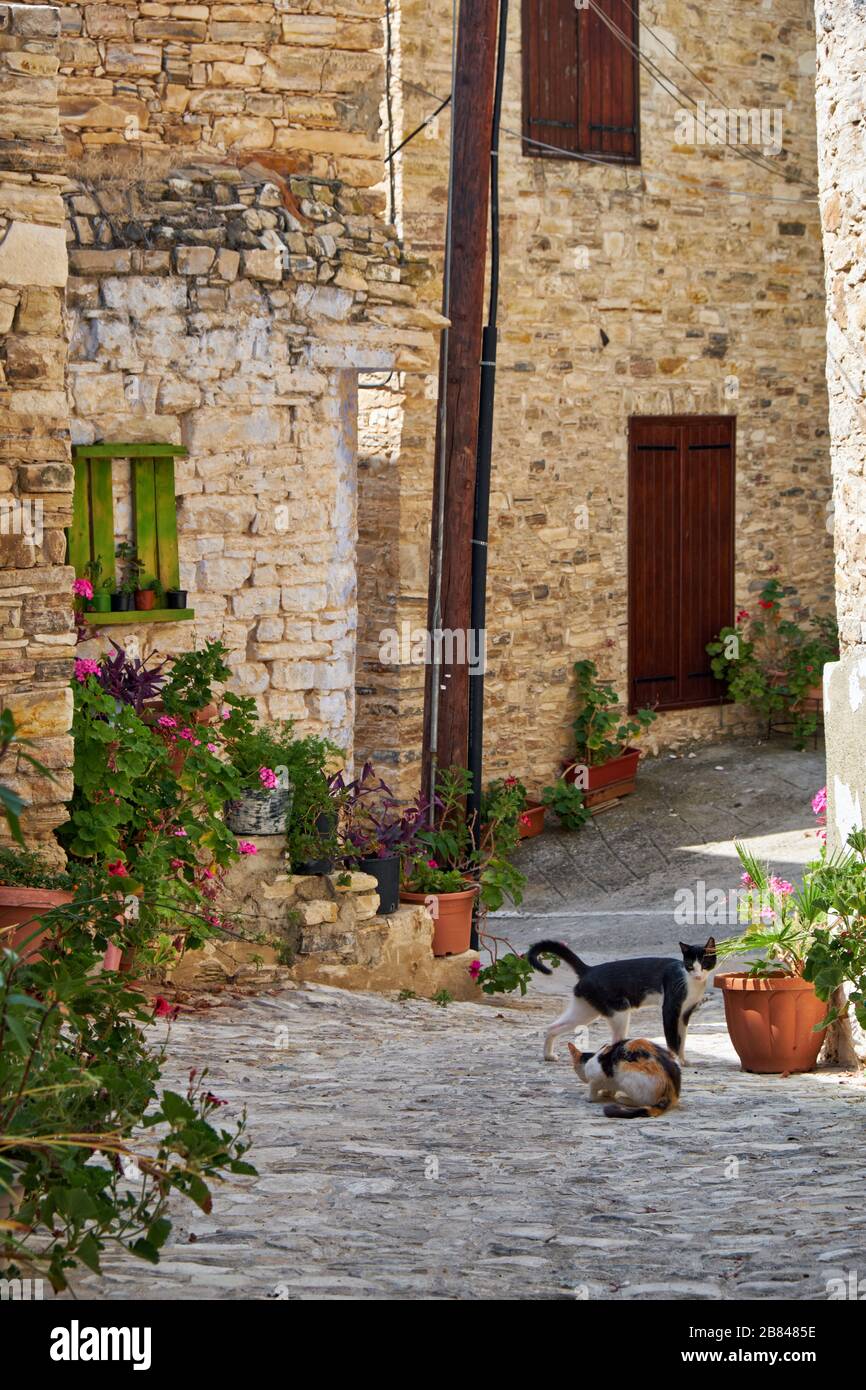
(460, 861)
(101, 587)
(774, 1016)
(28, 888)
(566, 801)
(527, 815)
(376, 832)
(176, 598)
(189, 693)
(773, 664)
(123, 598)
(605, 764)
(147, 595)
(259, 757)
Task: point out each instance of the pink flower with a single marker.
(162, 1008)
(208, 873)
(780, 886)
(431, 864)
(819, 802)
(212, 748)
(743, 616)
(475, 969)
(246, 847)
(768, 914)
(84, 667)
(214, 1100)
(177, 863)
(509, 783)
(225, 712)
(117, 869)
(268, 778)
(747, 880)
(167, 721)
(83, 588)
(180, 833)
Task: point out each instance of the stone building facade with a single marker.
(626, 291)
(37, 636)
(232, 274)
(841, 32)
(236, 288)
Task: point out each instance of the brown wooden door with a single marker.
(681, 555)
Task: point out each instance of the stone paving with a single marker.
(407, 1150)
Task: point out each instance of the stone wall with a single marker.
(692, 288)
(36, 628)
(841, 42)
(301, 80)
(204, 313)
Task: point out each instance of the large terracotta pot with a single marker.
(18, 908)
(607, 780)
(452, 919)
(771, 1019)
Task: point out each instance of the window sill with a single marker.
(135, 615)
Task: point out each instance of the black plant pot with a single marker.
(122, 603)
(175, 598)
(386, 872)
(325, 822)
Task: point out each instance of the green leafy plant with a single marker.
(90, 1149)
(189, 687)
(442, 997)
(836, 962)
(600, 731)
(461, 849)
(565, 799)
(131, 567)
(506, 973)
(769, 662)
(779, 919)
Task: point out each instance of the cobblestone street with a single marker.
(410, 1150)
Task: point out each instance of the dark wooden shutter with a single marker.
(580, 80)
(681, 556)
(608, 111)
(550, 73)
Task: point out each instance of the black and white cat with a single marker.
(613, 989)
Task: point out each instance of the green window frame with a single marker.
(154, 520)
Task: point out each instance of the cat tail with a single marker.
(555, 948)
(636, 1112)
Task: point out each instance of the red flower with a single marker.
(117, 869)
(162, 1008)
(743, 616)
(214, 1100)
(766, 603)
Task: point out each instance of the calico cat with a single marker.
(648, 1076)
(612, 990)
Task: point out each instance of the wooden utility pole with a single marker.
(459, 382)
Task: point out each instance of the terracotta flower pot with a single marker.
(771, 1019)
(452, 919)
(19, 907)
(145, 600)
(607, 780)
(535, 811)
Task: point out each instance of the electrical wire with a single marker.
(417, 131)
(662, 80)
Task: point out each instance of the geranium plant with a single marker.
(769, 662)
(601, 733)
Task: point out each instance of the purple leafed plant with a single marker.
(130, 680)
(375, 824)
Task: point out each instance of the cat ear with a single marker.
(710, 946)
(684, 948)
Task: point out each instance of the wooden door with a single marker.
(681, 556)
